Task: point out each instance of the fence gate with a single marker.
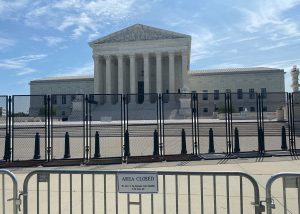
(29, 127)
(75, 191)
(67, 128)
(105, 128)
(180, 126)
(228, 123)
(9, 200)
(143, 121)
(283, 193)
(5, 144)
(294, 120)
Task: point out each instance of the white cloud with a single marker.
(4, 43)
(86, 69)
(12, 5)
(270, 14)
(49, 40)
(204, 43)
(270, 47)
(53, 41)
(81, 16)
(21, 64)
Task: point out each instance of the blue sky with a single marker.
(50, 38)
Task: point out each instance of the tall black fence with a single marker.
(142, 117)
(105, 126)
(133, 127)
(4, 131)
(177, 116)
(67, 121)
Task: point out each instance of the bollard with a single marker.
(67, 146)
(283, 139)
(183, 143)
(126, 144)
(236, 140)
(7, 151)
(155, 143)
(97, 145)
(211, 141)
(37, 153)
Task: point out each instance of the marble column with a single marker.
(120, 75)
(97, 75)
(132, 74)
(108, 78)
(171, 72)
(132, 77)
(146, 76)
(184, 71)
(158, 73)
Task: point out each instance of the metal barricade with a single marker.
(285, 199)
(76, 191)
(10, 202)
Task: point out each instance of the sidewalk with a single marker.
(260, 169)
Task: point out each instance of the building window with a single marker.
(205, 110)
(204, 95)
(216, 94)
(63, 113)
(263, 92)
(63, 99)
(251, 93)
(252, 109)
(241, 109)
(240, 94)
(54, 99)
(228, 91)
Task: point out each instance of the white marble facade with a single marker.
(141, 59)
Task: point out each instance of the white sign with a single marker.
(135, 182)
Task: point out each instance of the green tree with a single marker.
(20, 114)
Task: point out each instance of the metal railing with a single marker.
(77, 191)
(285, 199)
(9, 188)
(58, 127)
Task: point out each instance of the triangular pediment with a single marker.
(139, 32)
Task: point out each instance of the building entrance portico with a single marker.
(140, 59)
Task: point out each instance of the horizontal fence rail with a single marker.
(283, 193)
(77, 191)
(114, 128)
(9, 202)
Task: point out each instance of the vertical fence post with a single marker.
(283, 139)
(48, 114)
(10, 137)
(126, 144)
(7, 149)
(183, 142)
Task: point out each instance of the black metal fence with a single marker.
(98, 128)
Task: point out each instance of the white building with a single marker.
(142, 59)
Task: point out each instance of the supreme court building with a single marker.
(141, 59)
